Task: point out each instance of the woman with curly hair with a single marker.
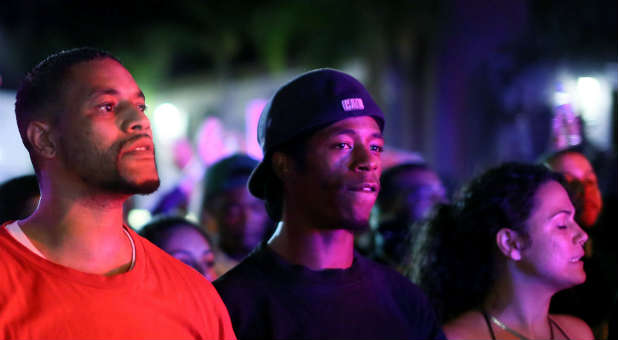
(491, 261)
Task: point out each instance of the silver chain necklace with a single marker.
(516, 333)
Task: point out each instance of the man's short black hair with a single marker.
(40, 93)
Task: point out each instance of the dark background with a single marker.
(464, 83)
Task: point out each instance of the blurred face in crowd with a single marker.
(241, 219)
(191, 247)
(421, 189)
(555, 246)
(340, 181)
(104, 135)
(582, 185)
(414, 193)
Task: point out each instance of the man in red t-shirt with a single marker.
(72, 269)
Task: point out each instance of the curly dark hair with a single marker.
(40, 93)
(454, 258)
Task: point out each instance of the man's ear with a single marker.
(41, 141)
(510, 243)
(282, 165)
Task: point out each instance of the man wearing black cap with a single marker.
(322, 138)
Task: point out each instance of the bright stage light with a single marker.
(561, 98)
(589, 98)
(593, 102)
(169, 122)
(137, 218)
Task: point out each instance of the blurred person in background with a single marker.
(492, 260)
(408, 192)
(593, 300)
(236, 220)
(184, 240)
(72, 269)
(19, 197)
(176, 200)
(582, 184)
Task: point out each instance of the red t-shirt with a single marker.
(160, 298)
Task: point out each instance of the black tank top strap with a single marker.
(491, 330)
(559, 328)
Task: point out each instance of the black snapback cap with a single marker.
(313, 99)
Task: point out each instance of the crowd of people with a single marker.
(519, 252)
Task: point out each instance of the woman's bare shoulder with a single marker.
(469, 325)
(574, 327)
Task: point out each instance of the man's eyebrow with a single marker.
(378, 135)
(113, 92)
(99, 92)
(351, 132)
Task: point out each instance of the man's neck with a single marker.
(314, 248)
(83, 232)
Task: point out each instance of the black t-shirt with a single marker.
(269, 298)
